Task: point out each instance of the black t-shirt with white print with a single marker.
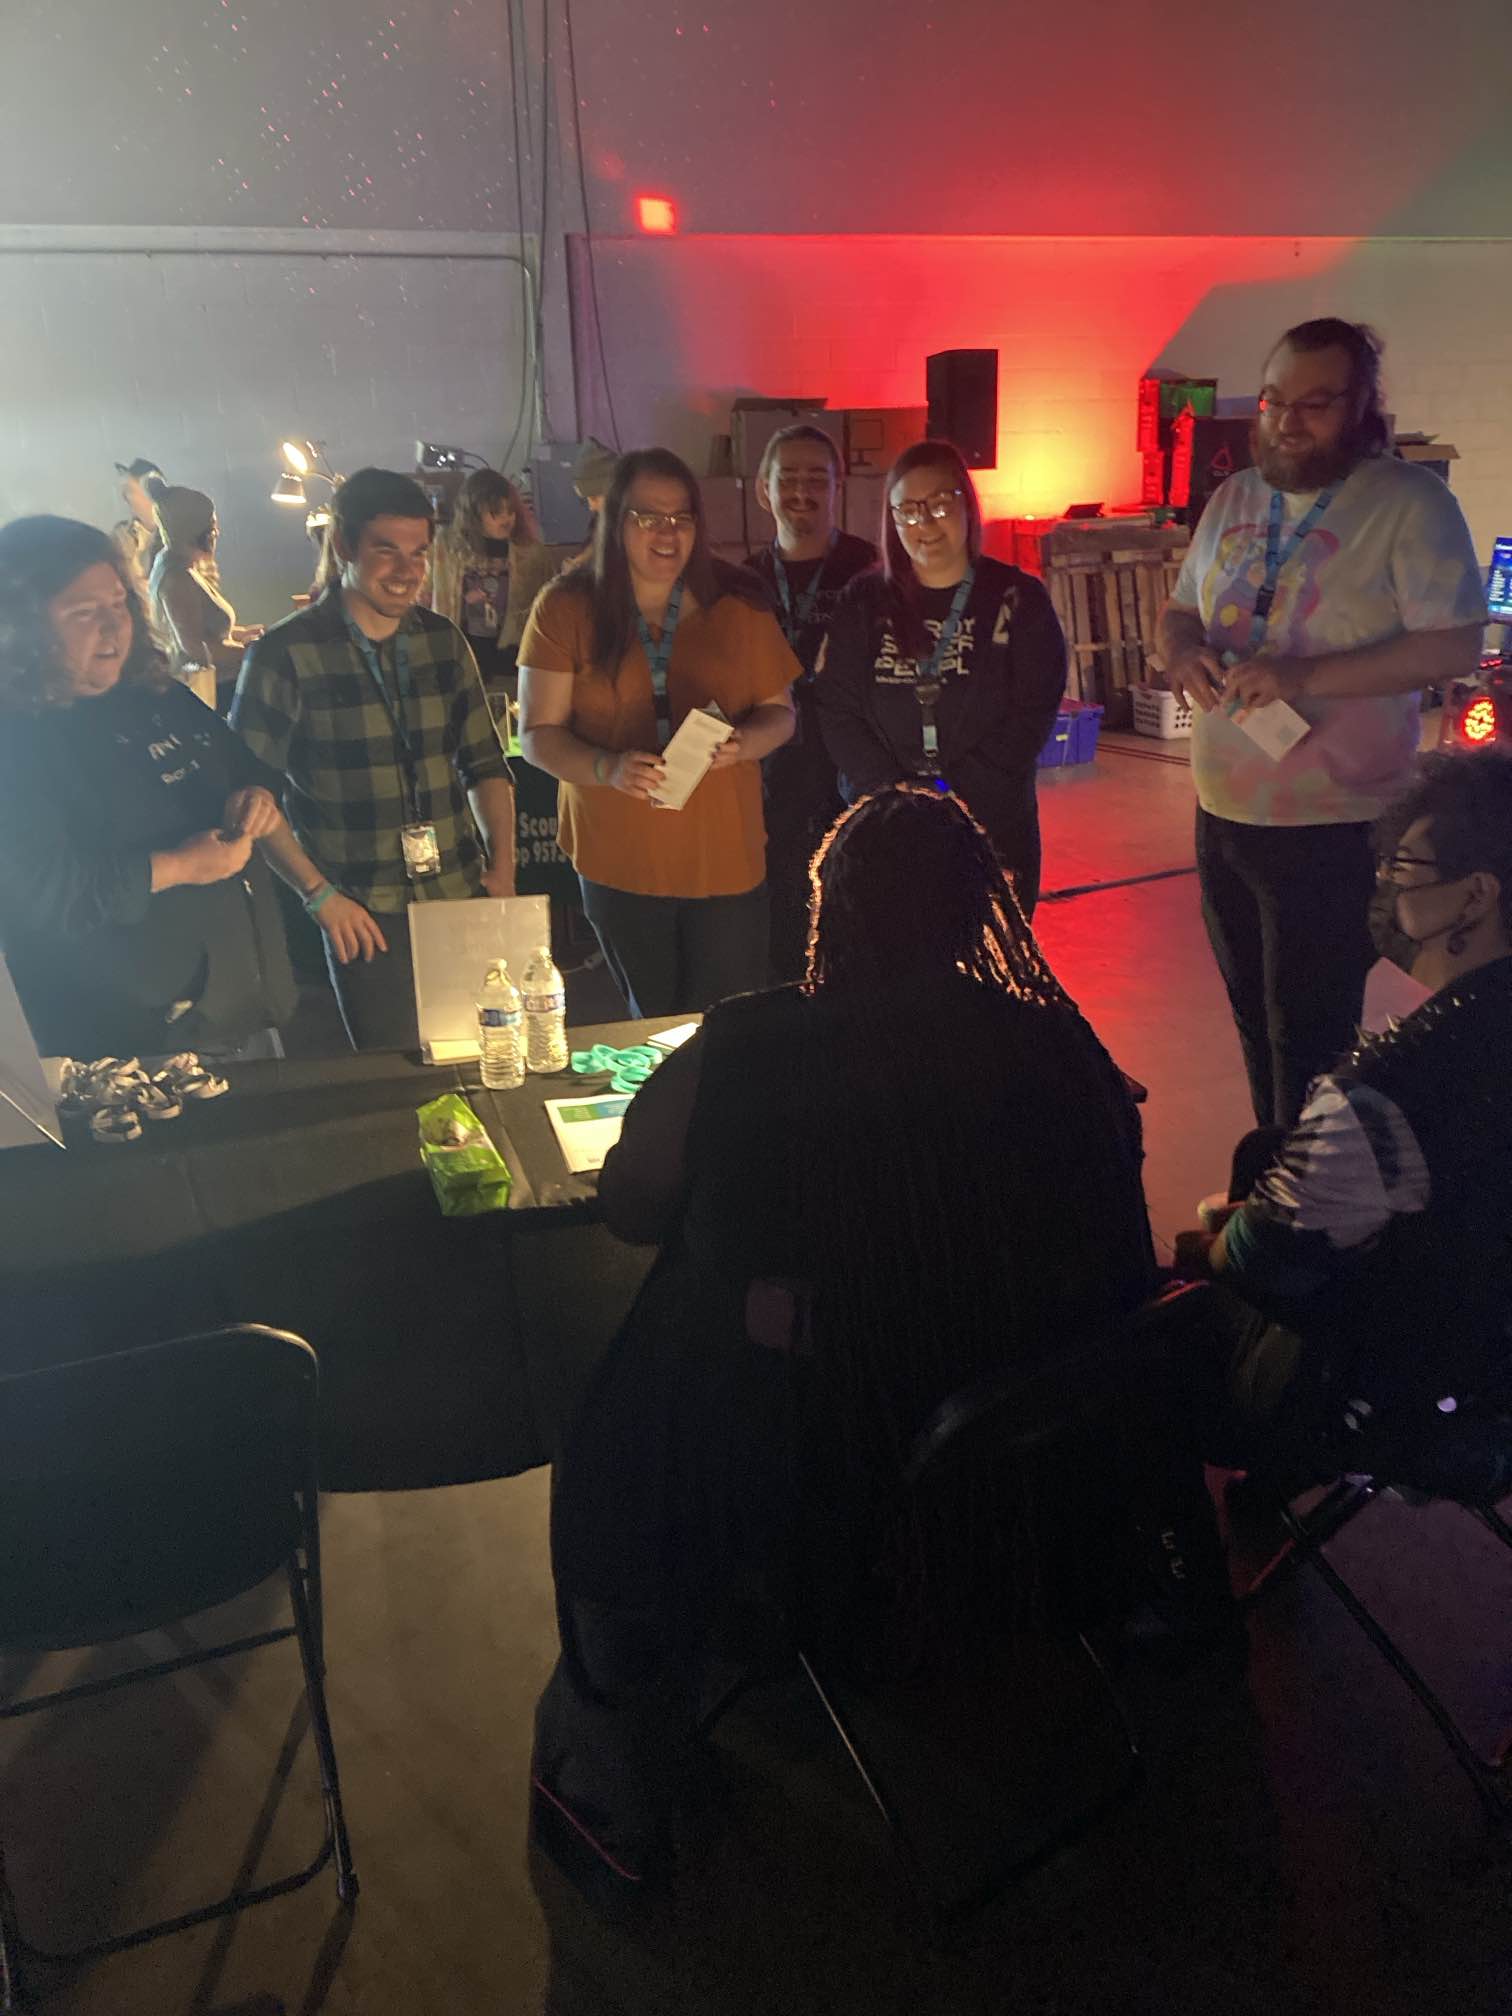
(799, 778)
(1001, 683)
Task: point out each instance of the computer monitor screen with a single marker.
(1499, 581)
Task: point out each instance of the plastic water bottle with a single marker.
(545, 1014)
(500, 1034)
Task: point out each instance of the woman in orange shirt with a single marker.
(615, 655)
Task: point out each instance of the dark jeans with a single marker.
(672, 955)
(1286, 911)
(377, 1001)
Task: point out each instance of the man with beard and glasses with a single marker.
(804, 569)
(1337, 579)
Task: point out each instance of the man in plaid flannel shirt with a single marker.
(396, 788)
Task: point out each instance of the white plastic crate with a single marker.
(1160, 714)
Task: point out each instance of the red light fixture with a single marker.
(656, 215)
(1478, 723)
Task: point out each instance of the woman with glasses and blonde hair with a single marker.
(945, 665)
(616, 655)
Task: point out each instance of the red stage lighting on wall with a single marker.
(656, 215)
(1478, 723)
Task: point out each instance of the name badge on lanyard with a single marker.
(928, 680)
(659, 656)
(1276, 559)
(794, 618)
(419, 843)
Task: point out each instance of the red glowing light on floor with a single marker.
(656, 215)
(1479, 721)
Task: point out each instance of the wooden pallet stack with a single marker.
(1108, 583)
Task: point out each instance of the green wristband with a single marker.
(315, 902)
(599, 762)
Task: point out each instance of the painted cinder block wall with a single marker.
(1147, 181)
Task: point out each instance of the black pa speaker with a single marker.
(963, 399)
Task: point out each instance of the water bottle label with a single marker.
(498, 1018)
(553, 1003)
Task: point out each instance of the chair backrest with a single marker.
(1016, 1490)
(152, 1482)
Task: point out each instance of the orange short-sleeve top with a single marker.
(732, 653)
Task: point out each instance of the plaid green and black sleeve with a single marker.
(478, 752)
(265, 709)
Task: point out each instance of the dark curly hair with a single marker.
(907, 879)
(38, 558)
(1468, 797)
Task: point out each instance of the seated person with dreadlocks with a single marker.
(869, 1189)
(1368, 1271)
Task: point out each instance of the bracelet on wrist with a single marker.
(600, 767)
(318, 898)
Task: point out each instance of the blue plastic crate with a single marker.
(1057, 749)
(1086, 720)
(1073, 739)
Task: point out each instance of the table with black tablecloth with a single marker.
(450, 1348)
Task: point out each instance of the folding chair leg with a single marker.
(325, 1749)
(1305, 1536)
(903, 1847)
(713, 1715)
(1474, 1768)
(10, 1947)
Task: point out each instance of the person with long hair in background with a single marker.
(615, 656)
(191, 613)
(135, 914)
(946, 665)
(917, 1168)
(487, 567)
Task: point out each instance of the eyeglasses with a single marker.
(1312, 409)
(939, 505)
(663, 521)
(1389, 867)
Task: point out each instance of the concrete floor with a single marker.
(1302, 1845)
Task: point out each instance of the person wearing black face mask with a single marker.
(1370, 1261)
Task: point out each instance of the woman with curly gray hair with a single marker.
(133, 912)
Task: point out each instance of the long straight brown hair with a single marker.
(606, 577)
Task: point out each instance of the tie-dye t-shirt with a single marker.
(1392, 553)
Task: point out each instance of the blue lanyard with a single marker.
(927, 677)
(393, 704)
(659, 657)
(794, 620)
(1276, 559)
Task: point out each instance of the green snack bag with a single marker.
(467, 1172)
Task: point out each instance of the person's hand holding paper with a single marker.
(1257, 697)
(687, 758)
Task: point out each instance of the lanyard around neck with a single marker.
(1277, 557)
(659, 656)
(794, 619)
(927, 677)
(929, 674)
(393, 704)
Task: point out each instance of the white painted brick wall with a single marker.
(690, 323)
(205, 361)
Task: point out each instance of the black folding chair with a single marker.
(1462, 1458)
(139, 1489)
(1002, 1667)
